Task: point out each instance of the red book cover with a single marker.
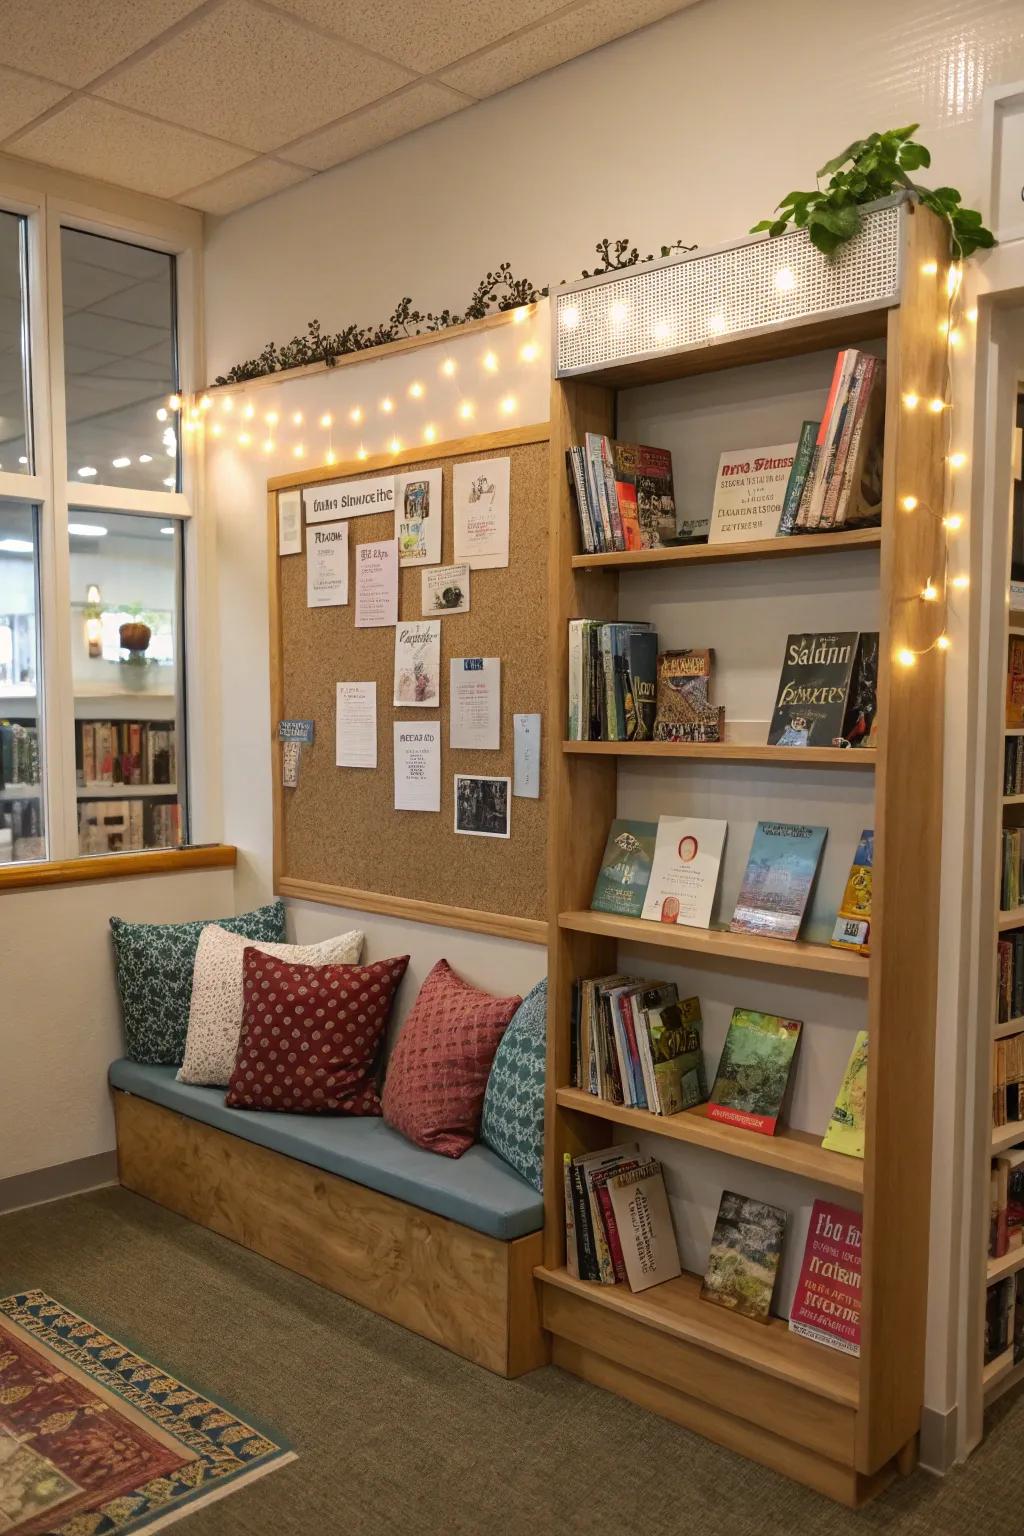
(826, 1306)
(765, 1124)
(599, 1183)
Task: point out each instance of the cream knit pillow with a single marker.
(215, 1015)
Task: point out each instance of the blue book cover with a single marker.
(625, 869)
(777, 883)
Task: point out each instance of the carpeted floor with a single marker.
(395, 1435)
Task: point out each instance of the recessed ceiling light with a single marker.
(16, 546)
(145, 458)
(87, 471)
(87, 530)
(121, 463)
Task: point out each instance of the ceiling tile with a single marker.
(425, 36)
(260, 178)
(22, 99)
(75, 40)
(555, 42)
(83, 284)
(146, 303)
(253, 77)
(95, 139)
(121, 338)
(384, 121)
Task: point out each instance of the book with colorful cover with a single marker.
(743, 1263)
(626, 460)
(798, 476)
(750, 493)
(853, 920)
(860, 722)
(684, 871)
(814, 687)
(650, 1251)
(753, 1070)
(655, 496)
(847, 1123)
(826, 1305)
(684, 709)
(585, 1166)
(639, 685)
(778, 879)
(677, 1056)
(625, 869)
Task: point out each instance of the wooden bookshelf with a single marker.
(841, 1425)
(1008, 1135)
(997, 1370)
(793, 1151)
(1006, 1264)
(1012, 919)
(730, 752)
(1011, 1027)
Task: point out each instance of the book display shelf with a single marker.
(627, 350)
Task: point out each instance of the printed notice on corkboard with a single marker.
(338, 827)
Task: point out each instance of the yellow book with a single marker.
(853, 920)
(846, 1125)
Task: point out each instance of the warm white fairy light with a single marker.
(355, 414)
(394, 446)
(952, 522)
(216, 429)
(297, 418)
(929, 268)
(327, 420)
(145, 458)
(227, 405)
(170, 482)
(936, 405)
(908, 503)
(905, 657)
(121, 463)
(244, 439)
(961, 582)
(299, 451)
(569, 317)
(361, 453)
(387, 405)
(716, 325)
(466, 410)
(930, 592)
(429, 433)
(490, 362)
(175, 402)
(943, 643)
(416, 390)
(330, 456)
(618, 314)
(267, 445)
(161, 414)
(508, 405)
(448, 367)
(529, 352)
(520, 314)
(785, 279)
(957, 460)
(205, 403)
(249, 412)
(271, 418)
(911, 400)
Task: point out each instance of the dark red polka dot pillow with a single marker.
(312, 1035)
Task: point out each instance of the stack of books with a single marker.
(635, 1042)
(1012, 880)
(843, 482)
(19, 754)
(612, 681)
(125, 752)
(1004, 1318)
(1013, 766)
(1006, 1223)
(1010, 999)
(1007, 1078)
(624, 495)
(618, 1226)
(113, 826)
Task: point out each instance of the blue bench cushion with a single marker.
(478, 1189)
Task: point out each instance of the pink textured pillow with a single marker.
(312, 1035)
(437, 1076)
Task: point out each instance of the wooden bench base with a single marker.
(474, 1294)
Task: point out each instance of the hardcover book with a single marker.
(750, 493)
(643, 1221)
(860, 722)
(640, 685)
(684, 709)
(847, 1122)
(753, 1070)
(684, 872)
(655, 496)
(777, 882)
(813, 690)
(1015, 683)
(625, 461)
(625, 869)
(677, 1056)
(744, 1260)
(798, 476)
(853, 920)
(826, 1306)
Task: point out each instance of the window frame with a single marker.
(49, 202)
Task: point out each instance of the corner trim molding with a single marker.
(56, 1183)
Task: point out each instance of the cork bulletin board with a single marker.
(337, 836)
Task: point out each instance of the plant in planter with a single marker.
(135, 637)
(865, 171)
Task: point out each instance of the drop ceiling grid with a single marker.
(218, 103)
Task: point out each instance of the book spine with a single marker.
(797, 477)
(608, 717)
(855, 395)
(573, 724)
(643, 1036)
(853, 457)
(763, 1124)
(572, 1258)
(621, 1053)
(611, 494)
(816, 486)
(578, 483)
(595, 483)
(636, 1076)
(611, 1233)
(584, 1229)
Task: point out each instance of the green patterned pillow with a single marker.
(154, 964)
(513, 1118)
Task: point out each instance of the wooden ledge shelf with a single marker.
(731, 752)
(1013, 799)
(995, 1373)
(1011, 1027)
(1014, 918)
(675, 1308)
(117, 866)
(1006, 1264)
(716, 943)
(1008, 1135)
(790, 1150)
(748, 549)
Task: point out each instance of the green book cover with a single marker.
(753, 1070)
(674, 1030)
(744, 1259)
(798, 475)
(625, 869)
(846, 1124)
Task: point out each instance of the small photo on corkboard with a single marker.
(337, 830)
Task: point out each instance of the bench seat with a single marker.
(477, 1190)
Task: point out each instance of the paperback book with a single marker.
(625, 869)
(753, 1070)
(684, 708)
(798, 475)
(847, 1123)
(592, 1256)
(860, 722)
(853, 920)
(1015, 683)
(624, 494)
(677, 1056)
(826, 1306)
(778, 879)
(743, 1264)
(643, 1227)
(750, 493)
(814, 686)
(843, 487)
(684, 872)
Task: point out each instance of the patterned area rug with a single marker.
(96, 1440)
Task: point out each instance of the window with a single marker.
(125, 581)
(15, 451)
(120, 362)
(21, 780)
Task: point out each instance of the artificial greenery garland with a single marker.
(497, 291)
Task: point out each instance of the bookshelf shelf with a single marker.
(675, 1308)
(751, 549)
(125, 791)
(997, 1370)
(1008, 1135)
(1011, 1027)
(1008, 1376)
(1007, 1264)
(717, 943)
(1014, 918)
(731, 752)
(793, 1151)
(1013, 799)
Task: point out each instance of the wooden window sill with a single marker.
(115, 866)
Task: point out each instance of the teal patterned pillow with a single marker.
(154, 964)
(513, 1118)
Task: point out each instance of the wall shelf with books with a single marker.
(724, 913)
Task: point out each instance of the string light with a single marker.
(910, 400)
(448, 367)
(971, 315)
(957, 460)
(356, 414)
(161, 414)
(145, 458)
(508, 405)
(466, 410)
(121, 463)
(908, 503)
(298, 451)
(490, 362)
(936, 405)
(249, 412)
(267, 445)
(244, 439)
(429, 433)
(387, 405)
(416, 391)
(227, 405)
(520, 314)
(529, 352)
(205, 403)
(330, 456)
(617, 314)
(216, 429)
(905, 657)
(394, 445)
(952, 522)
(943, 642)
(361, 453)
(569, 317)
(930, 594)
(327, 420)
(785, 279)
(175, 402)
(716, 325)
(929, 268)
(271, 418)
(297, 418)
(960, 582)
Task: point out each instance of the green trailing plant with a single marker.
(866, 170)
(498, 290)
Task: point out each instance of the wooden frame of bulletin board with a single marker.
(337, 837)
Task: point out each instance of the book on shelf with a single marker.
(674, 1034)
(684, 871)
(19, 754)
(814, 685)
(843, 486)
(826, 1305)
(641, 1222)
(1011, 882)
(129, 752)
(624, 493)
(24, 820)
(1007, 1078)
(1015, 683)
(750, 492)
(113, 826)
(1010, 993)
(635, 1043)
(611, 680)
(743, 1263)
(625, 868)
(588, 1255)
(777, 882)
(853, 920)
(1004, 1319)
(860, 721)
(639, 685)
(847, 1123)
(1013, 765)
(798, 476)
(753, 1070)
(684, 709)
(1006, 1190)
